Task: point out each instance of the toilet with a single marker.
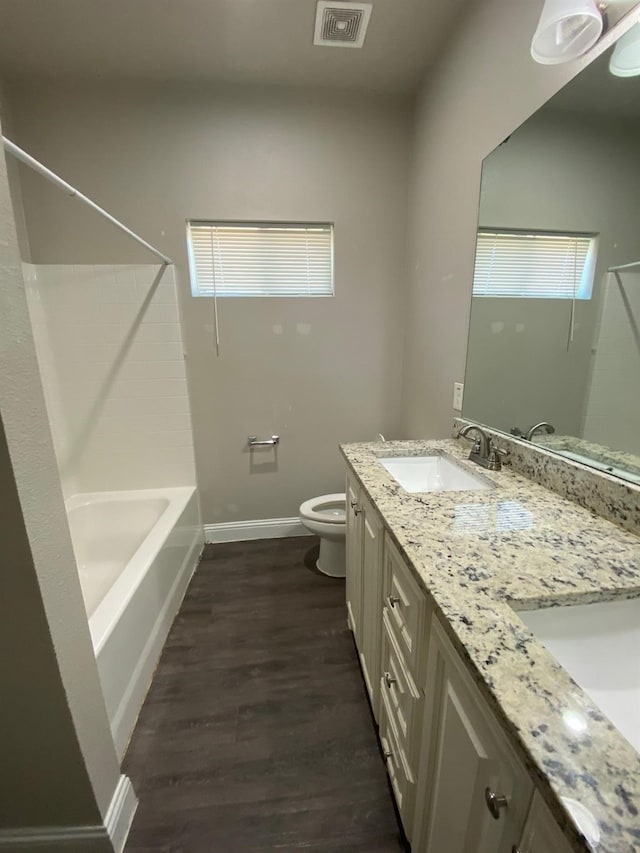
(326, 517)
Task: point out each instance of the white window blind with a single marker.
(534, 265)
(260, 259)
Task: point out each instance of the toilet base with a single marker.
(332, 558)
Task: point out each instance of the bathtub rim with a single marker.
(110, 609)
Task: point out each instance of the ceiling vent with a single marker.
(341, 24)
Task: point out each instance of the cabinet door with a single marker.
(541, 833)
(372, 540)
(405, 603)
(470, 760)
(354, 560)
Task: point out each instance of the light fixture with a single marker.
(625, 59)
(566, 30)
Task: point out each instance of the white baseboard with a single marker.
(120, 814)
(267, 528)
(79, 839)
(56, 839)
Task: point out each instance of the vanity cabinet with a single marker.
(458, 784)
(403, 660)
(474, 793)
(354, 560)
(364, 585)
(541, 833)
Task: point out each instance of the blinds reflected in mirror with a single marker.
(534, 265)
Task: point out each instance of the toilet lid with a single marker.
(330, 509)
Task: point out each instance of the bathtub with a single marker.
(136, 552)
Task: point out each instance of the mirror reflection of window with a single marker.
(534, 264)
(554, 336)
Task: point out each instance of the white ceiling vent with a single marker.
(341, 24)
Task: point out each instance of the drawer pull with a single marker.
(515, 849)
(387, 754)
(389, 679)
(392, 600)
(495, 802)
(355, 508)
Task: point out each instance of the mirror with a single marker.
(554, 337)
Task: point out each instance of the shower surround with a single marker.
(110, 352)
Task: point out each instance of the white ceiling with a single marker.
(266, 42)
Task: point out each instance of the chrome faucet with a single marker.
(482, 452)
(543, 425)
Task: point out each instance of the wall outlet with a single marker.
(458, 391)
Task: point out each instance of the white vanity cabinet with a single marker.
(473, 792)
(541, 833)
(354, 559)
(364, 585)
(405, 615)
(458, 784)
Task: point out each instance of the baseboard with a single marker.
(56, 839)
(241, 531)
(125, 717)
(120, 814)
(79, 839)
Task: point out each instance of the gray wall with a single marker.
(59, 762)
(613, 411)
(562, 172)
(484, 86)
(316, 371)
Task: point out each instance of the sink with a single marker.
(433, 473)
(598, 646)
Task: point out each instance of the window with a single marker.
(535, 265)
(260, 258)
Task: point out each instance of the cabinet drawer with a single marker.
(405, 603)
(400, 775)
(403, 697)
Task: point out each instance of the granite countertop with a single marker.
(483, 555)
(601, 453)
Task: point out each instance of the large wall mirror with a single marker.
(554, 336)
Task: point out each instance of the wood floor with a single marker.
(256, 734)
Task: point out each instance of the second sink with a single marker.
(598, 646)
(432, 473)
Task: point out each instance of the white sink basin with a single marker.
(431, 474)
(598, 645)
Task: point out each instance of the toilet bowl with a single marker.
(326, 517)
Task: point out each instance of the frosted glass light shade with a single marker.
(625, 59)
(566, 30)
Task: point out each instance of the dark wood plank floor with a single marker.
(256, 734)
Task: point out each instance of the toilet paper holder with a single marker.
(254, 441)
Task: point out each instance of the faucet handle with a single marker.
(496, 456)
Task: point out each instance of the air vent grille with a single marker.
(341, 24)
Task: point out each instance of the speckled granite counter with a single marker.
(482, 554)
(606, 456)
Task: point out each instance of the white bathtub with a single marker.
(136, 552)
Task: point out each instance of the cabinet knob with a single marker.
(387, 754)
(355, 508)
(389, 679)
(392, 600)
(515, 849)
(495, 802)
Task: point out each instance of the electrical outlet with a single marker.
(458, 391)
